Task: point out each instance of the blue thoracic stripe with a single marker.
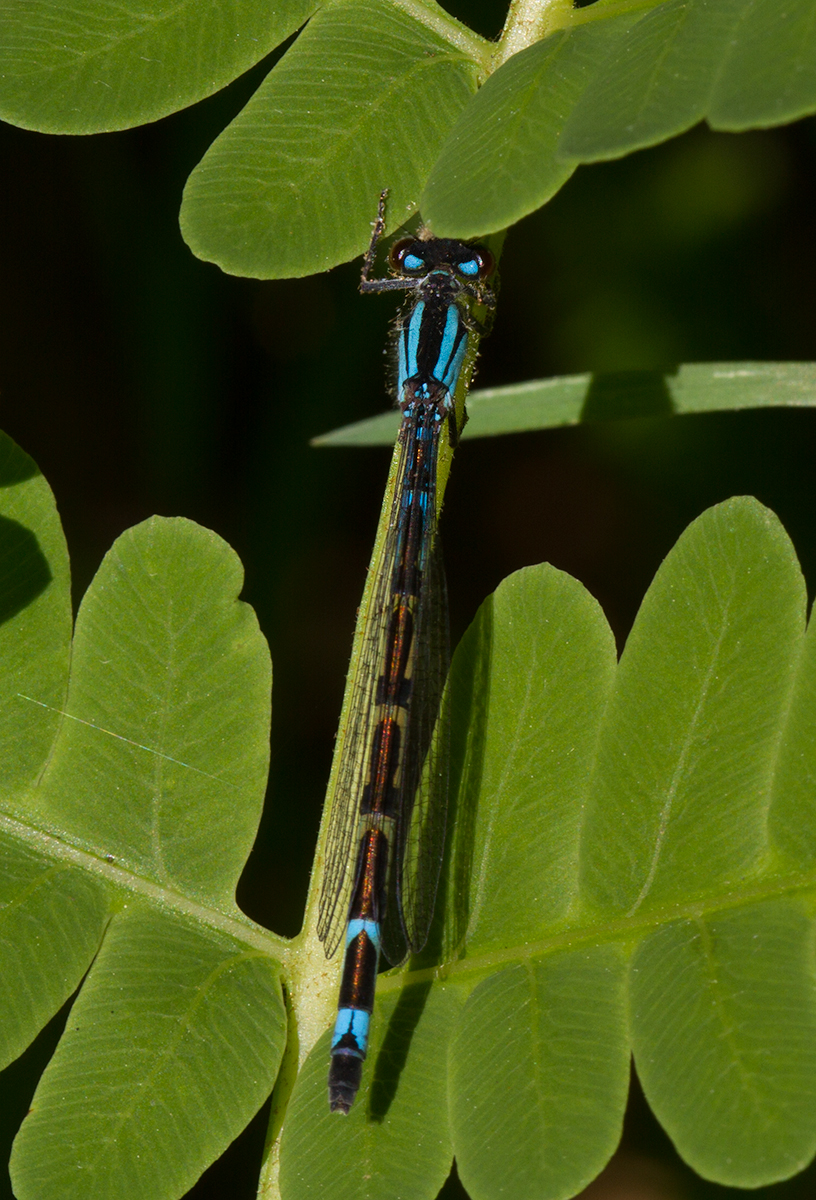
(454, 368)
(416, 339)
(446, 351)
(352, 1022)
(361, 925)
(402, 365)
(414, 329)
(456, 365)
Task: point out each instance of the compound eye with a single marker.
(470, 267)
(488, 263)
(480, 265)
(403, 257)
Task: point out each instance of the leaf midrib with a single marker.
(56, 848)
(612, 930)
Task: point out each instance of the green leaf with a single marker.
(100, 65)
(52, 916)
(121, 848)
(526, 1113)
(570, 399)
(676, 836)
(397, 1132)
(769, 73)
(527, 692)
(610, 867)
(291, 187)
(736, 63)
(532, 719)
(35, 620)
(528, 688)
(792, 813)
(167, 1054)
(499, 162)
(374, 94)
(145, 766)
(724, 1022)
(629, 868)
(690, 740)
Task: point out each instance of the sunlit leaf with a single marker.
(611, 886)
(292, 185)
(131, 800)
(499, 161)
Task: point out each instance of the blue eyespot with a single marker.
(412, 262)
(471, 267)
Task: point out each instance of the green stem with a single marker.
(529, 21)
(432, 16)
(311, 1003)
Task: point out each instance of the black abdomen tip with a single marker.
(345, 1073)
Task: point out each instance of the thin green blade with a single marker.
(611, 396)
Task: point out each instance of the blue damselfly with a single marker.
(387, 826)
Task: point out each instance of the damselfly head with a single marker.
(416, 257)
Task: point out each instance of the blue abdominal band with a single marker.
(361, 925)
(355, 1022)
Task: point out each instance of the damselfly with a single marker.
(387, 827)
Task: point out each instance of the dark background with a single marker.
(144, 381)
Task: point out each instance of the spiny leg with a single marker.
(377, 231)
